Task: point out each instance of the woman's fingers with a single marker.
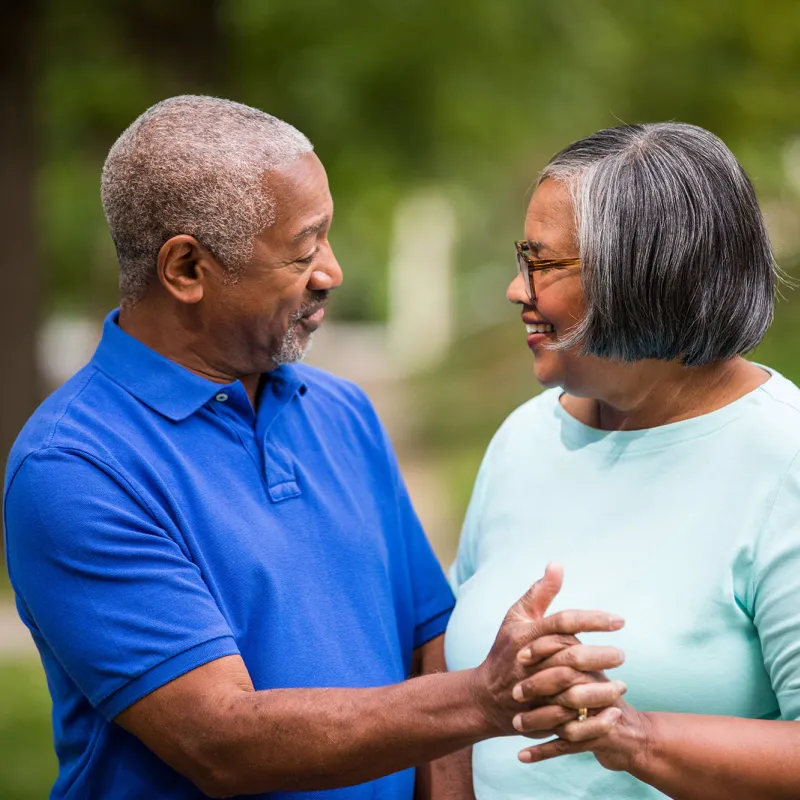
(592, 695)
(546, 684)
(593, 728)
(552, 749)
(542, 722)
(581, 737)
(568, 687)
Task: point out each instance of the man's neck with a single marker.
(165, 331)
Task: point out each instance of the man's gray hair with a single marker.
(193, 165)
(676, 263)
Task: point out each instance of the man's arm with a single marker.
(211, 726)
(450, 777)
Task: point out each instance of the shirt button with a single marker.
(222, 397)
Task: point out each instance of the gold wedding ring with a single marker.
(583, 714)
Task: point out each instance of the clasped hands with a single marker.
(538, 675)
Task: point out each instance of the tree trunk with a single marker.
(20, 389)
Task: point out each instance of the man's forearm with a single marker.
(693, 757)
(307, 739)
(213, 727)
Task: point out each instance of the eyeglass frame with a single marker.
(527, 266)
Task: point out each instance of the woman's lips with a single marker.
(538, 332)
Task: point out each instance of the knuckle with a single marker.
(563, 746)
(571, 698)
(574, 657)
(567, 620)
(566, 676)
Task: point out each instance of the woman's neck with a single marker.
(651, 394)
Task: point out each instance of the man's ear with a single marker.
(184, 268)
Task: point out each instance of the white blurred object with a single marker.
(791, 161)
(66, 343)
(420, 280)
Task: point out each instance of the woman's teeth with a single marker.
(539, 328)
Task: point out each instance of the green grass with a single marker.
(27, 760)
(6, 592)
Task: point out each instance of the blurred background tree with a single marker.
(460, 101)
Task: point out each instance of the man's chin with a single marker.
(293, 351)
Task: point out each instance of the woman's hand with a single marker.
(556, 654)
(620, 748)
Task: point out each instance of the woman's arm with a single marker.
(693, 757)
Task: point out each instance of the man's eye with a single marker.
(308, 259)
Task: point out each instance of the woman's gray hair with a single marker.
(676, 263)
(193, 165)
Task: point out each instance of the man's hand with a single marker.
(536, 669)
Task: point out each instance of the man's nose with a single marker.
(328, 275)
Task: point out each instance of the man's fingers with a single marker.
(574, 621)
(534, 603)
(545, 646)
(584, 657)
(592, 695)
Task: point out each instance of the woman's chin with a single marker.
(547, 371)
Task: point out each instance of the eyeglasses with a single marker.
(528, 265)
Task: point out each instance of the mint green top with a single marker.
(691, 531)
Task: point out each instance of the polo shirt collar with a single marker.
(162, 384)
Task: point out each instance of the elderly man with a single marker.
(213, 548)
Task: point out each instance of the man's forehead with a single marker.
(312, 228)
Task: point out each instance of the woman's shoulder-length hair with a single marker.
(676, 261)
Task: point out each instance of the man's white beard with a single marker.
(292, 348)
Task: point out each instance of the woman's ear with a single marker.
(184, 267)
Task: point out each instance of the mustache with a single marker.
(312, 305)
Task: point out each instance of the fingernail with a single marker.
(622, 686)
(525, 756)
(525, 655)
(615, 714)
(517, 723)
(615, 622)
(517, 693)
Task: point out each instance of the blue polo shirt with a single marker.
(155, 522)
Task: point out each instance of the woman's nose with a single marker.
(516, 292)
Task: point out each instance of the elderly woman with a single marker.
(661, 469)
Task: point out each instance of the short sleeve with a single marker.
(117, 600)
(433, 600)
(776, 594)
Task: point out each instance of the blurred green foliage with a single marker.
(28, 763)
(471, 97)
